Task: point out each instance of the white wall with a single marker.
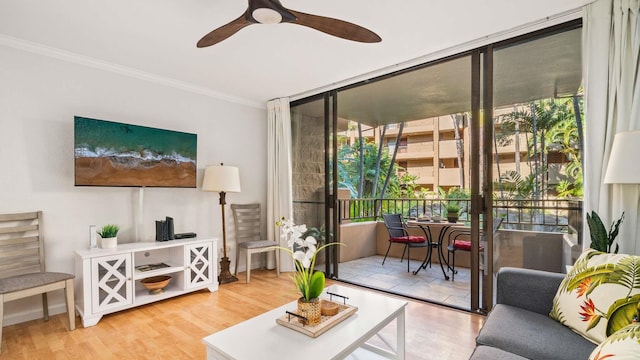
(39, 97)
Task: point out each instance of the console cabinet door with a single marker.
(111, 285)
(199, 270)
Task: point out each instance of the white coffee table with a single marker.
(262, 338)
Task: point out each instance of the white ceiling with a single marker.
(158, 38)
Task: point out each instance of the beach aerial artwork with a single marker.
(115, 154)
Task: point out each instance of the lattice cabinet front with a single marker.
(200, 268)
(112, 286)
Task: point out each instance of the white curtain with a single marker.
(279, 191)
(611, 49)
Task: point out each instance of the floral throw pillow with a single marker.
(599, 295)
(623, 344)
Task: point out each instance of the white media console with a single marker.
(108, 280)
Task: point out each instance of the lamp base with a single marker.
(225, 275)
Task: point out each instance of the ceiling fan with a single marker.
(272, 12)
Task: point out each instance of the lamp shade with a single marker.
(220, 178)
(622, 167)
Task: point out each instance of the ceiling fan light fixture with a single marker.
(267, 16)
(272, 12)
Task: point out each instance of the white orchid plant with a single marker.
(303, 251)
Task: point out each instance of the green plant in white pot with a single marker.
(108, 236)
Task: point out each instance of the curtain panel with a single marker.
(611, 50)
(279, 191)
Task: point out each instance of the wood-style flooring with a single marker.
(174, 328)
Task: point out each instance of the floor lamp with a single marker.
(222, 179)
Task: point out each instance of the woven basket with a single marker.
(311, 310)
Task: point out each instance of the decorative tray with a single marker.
(326, 322)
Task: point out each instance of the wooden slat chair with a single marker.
(246, 219)
(22, 270)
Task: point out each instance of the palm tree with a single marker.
(457, 119)
(540, 118)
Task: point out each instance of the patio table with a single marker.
(443, 228)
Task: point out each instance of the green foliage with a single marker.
(602, 240)
(402, 185)
(555, 129)
(515, 187)
(109, 231)
(453, 208)
(316, 233)
(404, 188)
(349, 168)
(456, 193)
(316, 285)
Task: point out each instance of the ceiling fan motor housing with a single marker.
(268, 12)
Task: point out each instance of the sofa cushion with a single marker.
(599, 295)
(491, 353)
(623, 344)
(531, 335)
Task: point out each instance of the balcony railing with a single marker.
(557, 214)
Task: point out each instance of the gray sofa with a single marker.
(519, 326)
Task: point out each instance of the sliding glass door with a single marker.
(481, 130)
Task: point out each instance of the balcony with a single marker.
(533, 235)
(413, 155)
(424, 173)
(449, 177)
(448, 149)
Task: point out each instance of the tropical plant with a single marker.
(373, 169)
(109, 231)
(565, 138)
(455, 200)
(303, 251)
(602, 240)
(513, 186)
(362, 170)
(539, 119)
(316, 233)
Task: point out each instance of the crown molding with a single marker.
(88, 61)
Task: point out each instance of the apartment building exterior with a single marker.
(428, 149)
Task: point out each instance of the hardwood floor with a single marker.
(174, 328)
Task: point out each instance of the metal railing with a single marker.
(556, 213)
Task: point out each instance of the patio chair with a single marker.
(246, 219)
(457, 242)
(22, 270)
(398, 235)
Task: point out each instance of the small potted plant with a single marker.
(108, 236)
(309, 282)
(453, 211)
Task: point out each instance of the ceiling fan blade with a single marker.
(224, 31)
(335, 27)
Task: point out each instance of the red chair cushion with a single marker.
(464, 245)
(408, 239)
